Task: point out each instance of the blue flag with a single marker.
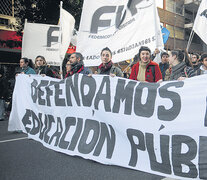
(165, 34)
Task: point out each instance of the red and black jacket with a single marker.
(152, 74)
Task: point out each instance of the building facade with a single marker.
(10, 42)
(178, 17)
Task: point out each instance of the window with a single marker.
(4, 22)
(175, 6)
(6, 7)
(179, 32)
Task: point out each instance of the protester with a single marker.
(3, 89)
(68, 69)
(77, 65)
(180, 69)
(42, 68)
(107, 66)
(27, 66)
(56, 71)
(203, 67)
(164, 64)
(195, 61)
(145, 69)
(65, 60)
(168, 73)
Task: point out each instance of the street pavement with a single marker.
(25, 159)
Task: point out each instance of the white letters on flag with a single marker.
(200, 24)
(67, 23)
(123, 26)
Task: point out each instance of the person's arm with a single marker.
(156, 51)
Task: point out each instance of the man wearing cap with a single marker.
(145, 70)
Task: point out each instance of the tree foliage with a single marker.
(45, 11)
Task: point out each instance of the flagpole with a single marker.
(158, 33)
(190, 39)
(25, 22)
(60, 38)
(156, 29)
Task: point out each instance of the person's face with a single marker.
(73, 59)
(171, 58)
(39, 61)
(205, 62)
(105, 57)
(164, 59)
(68, 66)
(22, 64)
(194, 59)
(145, 56)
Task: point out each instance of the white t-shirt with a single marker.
(203, 70)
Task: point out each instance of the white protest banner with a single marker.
(41, 39)
(200, 23)
(123, 26)
(151, 127)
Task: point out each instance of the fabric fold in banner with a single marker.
(151, 127)
(123, 26)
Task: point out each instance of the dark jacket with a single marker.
(3, 82)
(86, 71)
(163, 68)
(114, 70)
(181, 70)
(45, 70)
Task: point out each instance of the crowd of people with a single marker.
(177, 65)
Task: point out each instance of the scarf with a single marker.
(68, 74)
(177, 71)
(103, 68)
(76, 68)
(142, 71)
(41, 70)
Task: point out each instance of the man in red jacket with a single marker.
(145, 70)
